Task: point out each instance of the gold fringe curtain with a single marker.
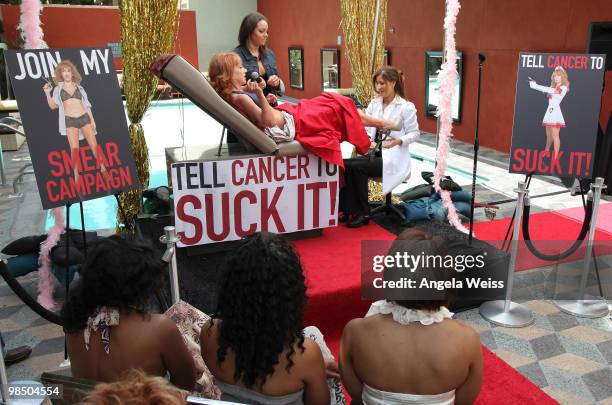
(358, 19)
(148, 29)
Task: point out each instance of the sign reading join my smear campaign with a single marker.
(229, 199)
(556, 113)
(74, 121)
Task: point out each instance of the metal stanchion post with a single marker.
(170, 238)
(505, 312)
(594, 307)
(3, 379)
(2, 175)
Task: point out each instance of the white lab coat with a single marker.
(553, 116)
(396, 161)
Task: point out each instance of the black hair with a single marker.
(419, 241)
(247, 26)
(391, 74)
(261, 307)
(118, 273)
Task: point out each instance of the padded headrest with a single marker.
(191, 82)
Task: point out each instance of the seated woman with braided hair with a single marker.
(320, 124)
(255, 345)
(107, 326)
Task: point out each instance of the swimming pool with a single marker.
(175, 123)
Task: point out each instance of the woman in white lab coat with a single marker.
(393, 162)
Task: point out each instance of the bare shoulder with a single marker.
(209, 330)
(163, 323)
(310, 358)
(242, 100)
(464, 334)
(354, 324)
(311, 348)
(358, 326)
(208, 341)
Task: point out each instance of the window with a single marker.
(330, 68)
(433, 64)
(387, 57)
(296, 68)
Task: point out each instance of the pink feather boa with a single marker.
(29, 24)
(45, 277)
(447, 79)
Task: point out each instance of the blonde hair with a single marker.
(220, 72)
(561, 72)
(135, 388)
(57, 73)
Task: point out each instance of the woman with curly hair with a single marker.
(255, 345)
(135, 388)
(319, 124)
(106, 322)
(75, 118)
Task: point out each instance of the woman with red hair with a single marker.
(319, 124)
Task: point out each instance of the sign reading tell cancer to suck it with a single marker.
(227, 200)
(556, 113)
(75, 124)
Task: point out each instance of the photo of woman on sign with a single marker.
(553, 119)
(75, 118)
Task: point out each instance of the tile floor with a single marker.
(570, 358)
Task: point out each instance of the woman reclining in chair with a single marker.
(319, 124)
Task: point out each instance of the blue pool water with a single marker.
(166, 123)
(174, 123)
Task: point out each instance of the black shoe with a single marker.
(359, 221)
(17, 354)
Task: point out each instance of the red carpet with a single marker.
(546, 227)
(332, 266)
(604, 215)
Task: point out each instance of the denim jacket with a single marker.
(250, 64)
(432, 208)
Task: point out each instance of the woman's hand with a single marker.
(272, 99)
(262, 84)
(274, 81)
(253, 87)
(392, 143)
(93, 125)
(47, 89)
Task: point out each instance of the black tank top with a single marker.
(252, 95)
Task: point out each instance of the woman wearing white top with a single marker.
(394, 164)
(411, 352)
(553, 119)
